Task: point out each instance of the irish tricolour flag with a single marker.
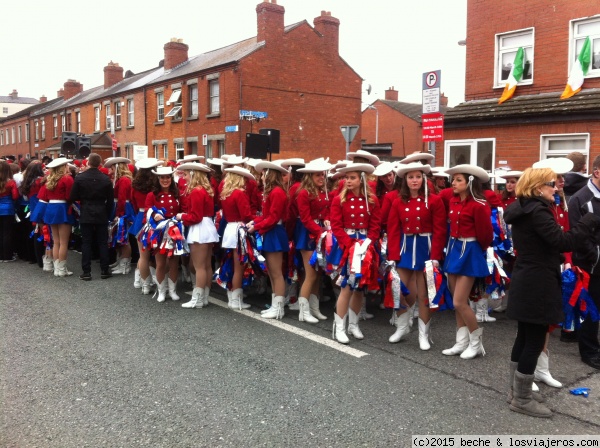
(516, 74)
(579, 70)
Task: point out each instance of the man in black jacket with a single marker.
(587, 200)
(95, 192)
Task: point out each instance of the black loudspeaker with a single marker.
(273, 135)
(257, 146)
(68, 144)
(84, 147)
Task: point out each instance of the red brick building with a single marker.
(192, 104)
(535, 123)
(396, 125)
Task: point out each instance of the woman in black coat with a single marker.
(535, 291)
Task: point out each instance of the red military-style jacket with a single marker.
(236, 207)
(413, 217)
(505, 202)
(311, 209)
(352, 214)
(200, 205)
(471, 219)
(386, 205)
(62, 190)
(122, 194)
(163, 200)
(274, 211)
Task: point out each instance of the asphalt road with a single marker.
(90, 364)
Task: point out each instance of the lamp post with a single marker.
(376, 122)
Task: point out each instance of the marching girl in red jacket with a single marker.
(355, 221)
(165, 195)
(201, 230)
(270, 227)
(118, 169)
(9, 193)
(312, 202)
(416, 234)
(471, 233)
(143, 183)
(57, 214)
(507, 196)
(237, 212)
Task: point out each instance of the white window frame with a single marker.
(155, 151)
(36, 126)
(174, 113)
(117, 115)
(505, 54)
(7, 137)
(107, 110)
(63, 120)
(78, 118)
(1, 138)
(96, 119)
(179, 151)
(576, 39)
(160, 106)
(5, 110)
(26, 132)
(546, 152)
(14, 140)
(474, 146)
(165, 148)
(43, 129)
(193, 100)
(175, 97)
(55, 124)
(19, 134)
(130, 113)
(214, 96)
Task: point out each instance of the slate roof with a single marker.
(18, 100)
(543, 107)
(411, 110)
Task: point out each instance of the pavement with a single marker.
(99, 364)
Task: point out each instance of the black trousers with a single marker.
(7, 224)
(94, 235)
(528, 346)
(588, 332)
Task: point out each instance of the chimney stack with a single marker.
(60, 93)
(14, 94)
(43, 99)
(329, 28)
(71, 89)
(443, 100)
(176, 52)
(269, 17)
(391, 94)
(113, 74)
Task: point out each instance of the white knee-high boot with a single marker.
(161, 290)
(475, 347)
(238, 300)
(542, 371)
(339, 329)
(277, 309)
(353, 328)
(196, 301)
(462, 342)
(172, 289)
(137, 279)
(402, 326)
(305, 315)
(425, 335)
(481, 313)
(313, 302)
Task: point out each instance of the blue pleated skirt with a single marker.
(415, 252)
(302, 238)
(276, 240)
(57, 213)
(138, 223)
(470, 262)
(37, 211)
(7, 206)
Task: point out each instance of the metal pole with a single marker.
(376, 126)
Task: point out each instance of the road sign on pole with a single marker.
(349, 132)
(431, 91)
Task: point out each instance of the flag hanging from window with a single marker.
(516, 74)
(579, 70)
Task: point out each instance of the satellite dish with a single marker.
(369, 89)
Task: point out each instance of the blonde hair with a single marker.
(309, 185)
(122, 170)
(363, 185)
(531, 180)
(199, 179)
(233, 182)
(54, 177)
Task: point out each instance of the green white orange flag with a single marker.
(516, 74)
(579, 70)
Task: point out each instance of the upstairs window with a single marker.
(118, 115)
(580, 30)
(78, 118)
(175, 101)
(63, 123)
(213, 87)
(43, 129)
(130, 113)
(507, 45)
(107, 110)
(55, 127)
(96, 119)
(160, 106)
(37, 131)
(193, 99)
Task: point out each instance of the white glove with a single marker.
(363, 247)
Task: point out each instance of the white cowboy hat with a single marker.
(149, 162)
(215, 161)
(364, 154)
(406, 168)
(252, 162)
(234, 160)
(194, 166)
(560, 165)
(383, 169)
(418, 156)
(241, 171)
(265, 165)
(110, 161)
(58, 162)
(286, 163)
(315, 166)
(320, 159)
(163, 171)
(191, 158)
(471, 170)
(359, 167)
(508, 174)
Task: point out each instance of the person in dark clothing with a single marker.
(587, 202)
(577, 178)
(535, 292)
(95, 192)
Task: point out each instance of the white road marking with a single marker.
(292, 329)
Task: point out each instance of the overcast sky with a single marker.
(387, 42)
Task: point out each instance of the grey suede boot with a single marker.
(511, 379)
(523, 401)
